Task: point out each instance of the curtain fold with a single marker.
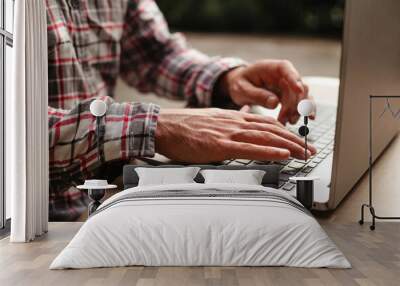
(27, 124)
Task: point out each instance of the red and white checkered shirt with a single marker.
(91, 44)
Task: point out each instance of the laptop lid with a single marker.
(370, 65)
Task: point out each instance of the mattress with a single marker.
(201, 225)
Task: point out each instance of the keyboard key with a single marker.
(283, 162)
(312, 165)
(307, 169)
(319, 145)
(317, 160)
(289, 171)
(243, 161)
(317, 133)
(301, 174)
(305, 162)
(235, 163)
(326, 152)
(325, 140)
(312, 138)
(288, 186)
(296, 164)
(284, 177)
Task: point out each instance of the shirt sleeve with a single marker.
(126, 130)
(154, 60)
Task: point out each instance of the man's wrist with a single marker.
(159, 133)
(222, 94)
(207, 84)
(228, 79)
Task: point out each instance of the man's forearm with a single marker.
(127, 131)
(155, 60)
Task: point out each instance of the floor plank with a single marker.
(375, 257)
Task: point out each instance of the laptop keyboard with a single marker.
(322, 133)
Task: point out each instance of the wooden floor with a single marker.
(375, 257)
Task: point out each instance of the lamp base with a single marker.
(95, 195)
(305, 193)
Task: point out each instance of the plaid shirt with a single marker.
(91, 44)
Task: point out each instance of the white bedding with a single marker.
(264, 229)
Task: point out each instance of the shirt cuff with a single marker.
(142, 130)
(129, 131)
(209, 77)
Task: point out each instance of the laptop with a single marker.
(370, 65)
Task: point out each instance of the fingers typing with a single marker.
(253, 151)
(265, 138)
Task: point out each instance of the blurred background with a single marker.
(306, 17)
(306, 32)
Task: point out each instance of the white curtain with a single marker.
(27, 125)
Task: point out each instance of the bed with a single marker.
(198, 224)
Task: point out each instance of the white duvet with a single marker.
(184, 230)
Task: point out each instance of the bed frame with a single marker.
(271, 177)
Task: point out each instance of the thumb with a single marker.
(259, 96)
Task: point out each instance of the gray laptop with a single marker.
(370, 65)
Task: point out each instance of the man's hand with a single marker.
(212, 135)
(267, 83)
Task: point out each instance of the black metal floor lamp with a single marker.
(370, 203)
